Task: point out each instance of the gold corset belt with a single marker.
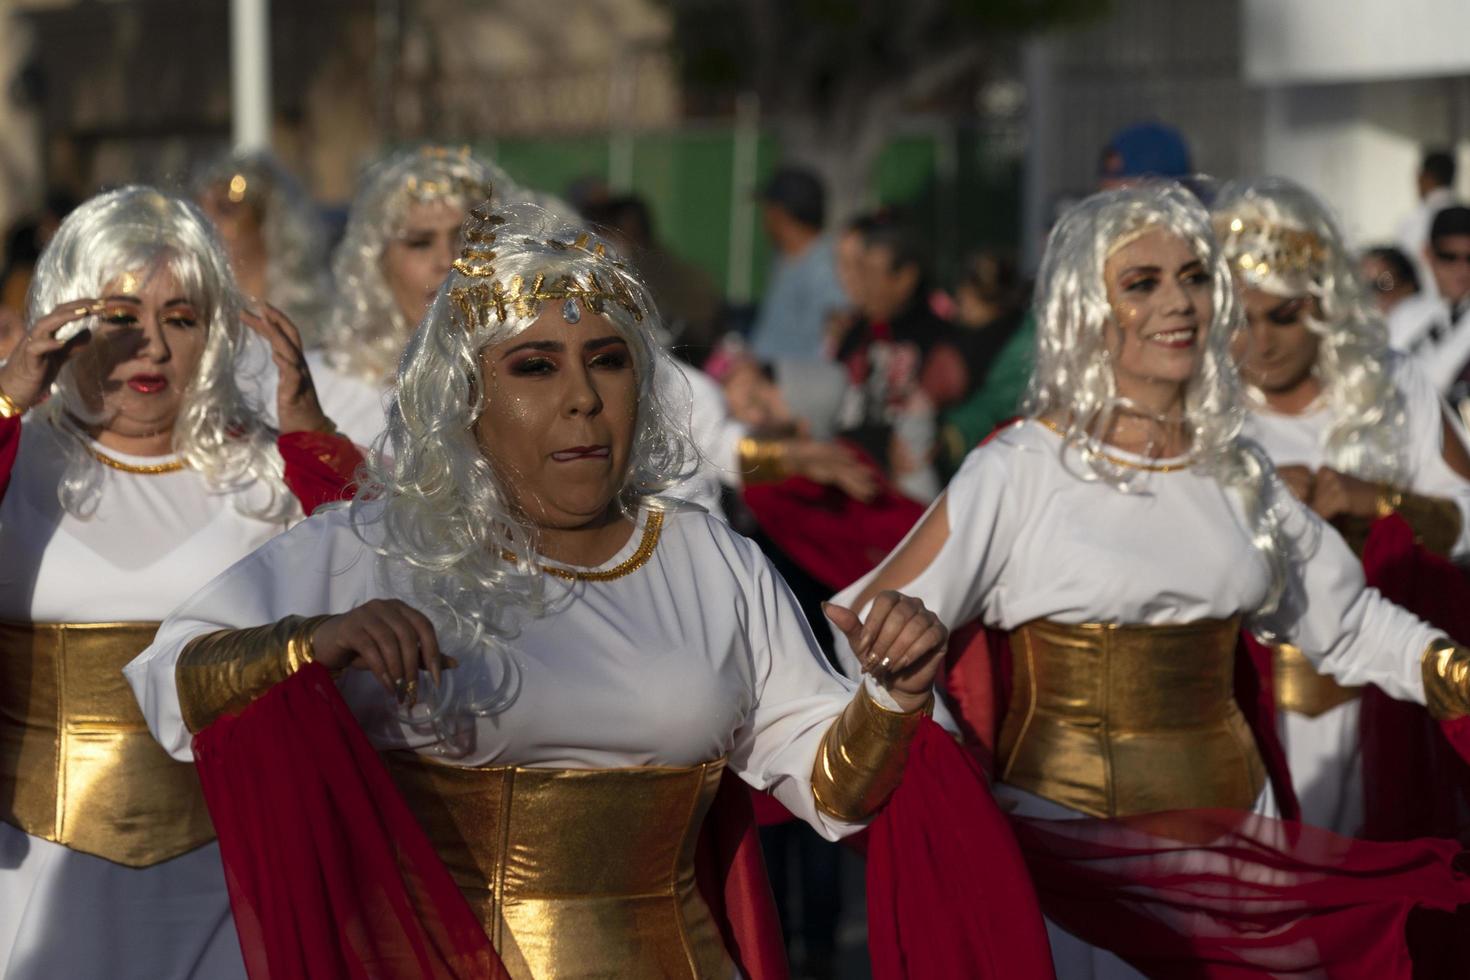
(1118, 720)
(78, 765)
(1299, 688)
(576, 873)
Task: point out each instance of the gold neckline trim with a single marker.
(635, 561)
(1131, 464)
(153, 469)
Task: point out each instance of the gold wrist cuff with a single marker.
(762, 460)
(221, 673)
(862, 757)
(1446, 670)
(8, 408)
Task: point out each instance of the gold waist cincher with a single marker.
(1118, 720)
(576, 873)
(1300, 689)
(78, 765)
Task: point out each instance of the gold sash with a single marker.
(1117, 720)
(576, 873)
(1301, 689)
(78, 765)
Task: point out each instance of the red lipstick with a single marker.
(148, 384)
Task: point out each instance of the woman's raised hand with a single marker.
(297, 408)
(44, 350)
(901, 642)
(388, 637)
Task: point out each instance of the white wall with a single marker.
(1357, 145)
(1294, 41)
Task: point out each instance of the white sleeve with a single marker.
(1351, 632)
(1426, 413)
(716, 433)
(797, 697)
(982, 506)
(318, 567)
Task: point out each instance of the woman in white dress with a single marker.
(612, 650)
(144, 474)
(1356, 431)
(401, 239)
(1123, 532)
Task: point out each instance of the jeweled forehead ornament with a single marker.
(1260, 251)
(486, 295)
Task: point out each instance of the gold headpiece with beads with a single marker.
(486, 295)
(1259, 250)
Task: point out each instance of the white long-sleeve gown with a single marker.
(153, 541)
(1030, 539)
(1324, 752)
(699, 653)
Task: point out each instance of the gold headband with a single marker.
(1273, 250)
(487, 295)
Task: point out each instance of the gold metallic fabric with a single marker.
(1118, 720)
(862, 757)
(1445, 666)
(1300, 689)
(78, 765)
(576, 873)
(762, 460)
(220, 673)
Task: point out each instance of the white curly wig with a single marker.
(1280, 238)
(296, 280)
(1073, 381)
(366, 331)
(437, 503)
(219, 433)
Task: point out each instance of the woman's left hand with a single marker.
(1336, 494)
(901, 643)
(297, 408)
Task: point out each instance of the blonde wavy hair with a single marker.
(1074, 381)
(218, 432)
(1280, 238)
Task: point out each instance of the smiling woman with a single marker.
(139, 471)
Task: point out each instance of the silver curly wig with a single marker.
(1073, 381)
(1280, 238)
(296, 279)
(366, 331)
(441, 510)
(218, 433)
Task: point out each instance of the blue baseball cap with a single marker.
(1145, 150)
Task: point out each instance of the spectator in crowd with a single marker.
(1436, 190)
(994, 344)
(1389, 276)
(890, 414)
(1143, 150)
(688, 299)
(803, 290)
(1434, 327)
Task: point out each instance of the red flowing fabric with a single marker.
(833, 537)
(9, 447)
(1416, 780)
(330, 875)
(949, 894)
(320, 467)
(1218, 894)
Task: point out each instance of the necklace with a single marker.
(635, 561)
(154, 469)
(1131, 464)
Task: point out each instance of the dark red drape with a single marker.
(320, 467)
